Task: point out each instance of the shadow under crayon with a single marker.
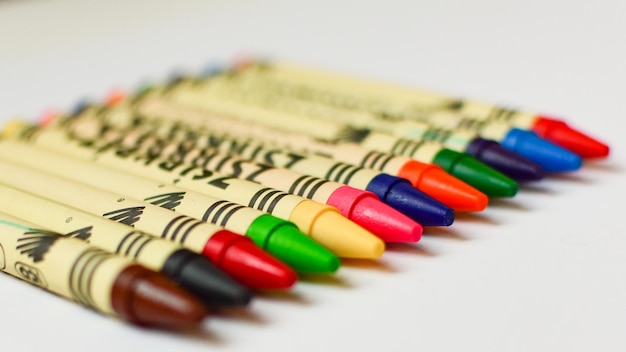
(472, 217)
(201, 333)
(571, 178)
(376, 265)
(288, 296)
(243, 314)
(325, 279)
(536, 188)
(602, 165)
(507, 203)
(444, 232)
(410, 248)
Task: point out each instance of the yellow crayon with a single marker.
(322, 222)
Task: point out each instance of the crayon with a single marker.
(321, 222)
(292, 173)
(428, 178)
(419, 104)
(279, 237)
(356, 199)
(461, 165)
(234, 254)
(105, 282)
(361, 206)
(190, 270)
(391, 219)
(253, 87)
(289, 175)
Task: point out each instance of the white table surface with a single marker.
(544, 271)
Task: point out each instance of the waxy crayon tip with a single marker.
(506, 161)
(477, 174)
(148, 298)
(447, 189)
(14, 127)
(247, 263)
(340, 235)
(558, 132)
(366, 209)
(286, 242)
(202, 278)
(114, 96)
(549, 155)
(400, 194)
(47, 117)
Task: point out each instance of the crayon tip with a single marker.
(506, 161)
(200, 277)
(331, 229)
(79, 107)
(245, 262)
(47, 117)
(476, 174)
(549, 155)
(283, 239)
(400, 194)
(14, 127)
(444, 187)
(148, 298)
(365, 209)
(114, 97)
(559, 133)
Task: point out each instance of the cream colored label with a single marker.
(495, 131)
(352, 153)
(307, 82)
(226, 123)
(289, 181)
(99, 232)
(366, 95)
(268, 135)
(214, 210)
(232, 216)
(299, 109)
(175, 172)
(419, 150)
(347, 152)
(215, 184)
(218, 185)
(426, 152)
(274, 119)
(191, 233)
(66, 266)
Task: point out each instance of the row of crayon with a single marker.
(211, 186)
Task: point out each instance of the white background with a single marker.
(544, 271)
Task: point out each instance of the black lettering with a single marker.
(219, 182)
(261, 168)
